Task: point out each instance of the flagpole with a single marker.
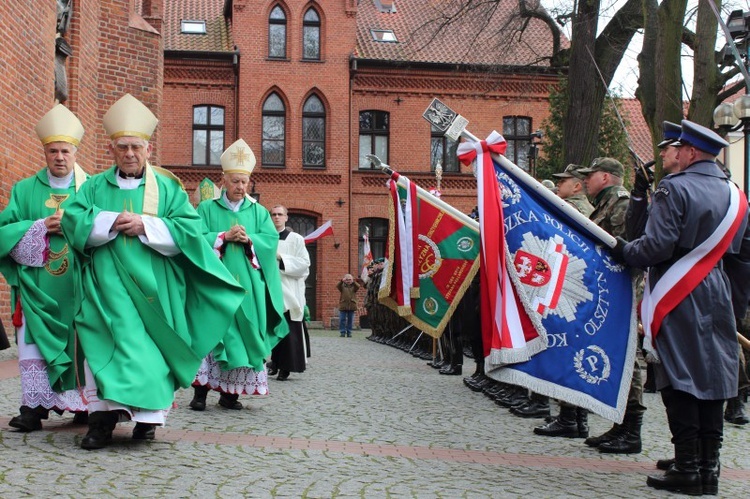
(602, 235)
(423, 193)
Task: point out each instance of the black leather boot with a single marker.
(536, 407)
(452, 370)
(29, 419)
(735, 411)
(564, 425)
(710, 467)
(611, 434)
(199, 398)
(513, 397)
(629, 441)
(683, 476)
(101, 426)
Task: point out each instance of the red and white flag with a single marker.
(506, 326)
(366, 258)
(324, 230)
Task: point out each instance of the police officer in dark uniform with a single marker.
(696, 343)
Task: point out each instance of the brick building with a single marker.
(315, 86)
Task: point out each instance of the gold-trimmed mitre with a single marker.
(238, 158)
(129, 117)
(59, 125)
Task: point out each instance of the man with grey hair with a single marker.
(40, 268)
(150, 283)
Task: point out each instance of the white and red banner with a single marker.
(509, 334)
(683, 277)
(324, 230)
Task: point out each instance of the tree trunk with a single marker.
(707, 82)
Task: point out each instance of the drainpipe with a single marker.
(236, 64)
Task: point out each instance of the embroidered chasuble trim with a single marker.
(79, 176)
(150, 193)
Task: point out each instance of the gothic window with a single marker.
(311, 35)
(313, 133)
(208, 135)
(277, 33)
(274, 131)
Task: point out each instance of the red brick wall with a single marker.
(27, 88)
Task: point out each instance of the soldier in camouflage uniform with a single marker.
(373, 306)
(604, 183)
(570, 187)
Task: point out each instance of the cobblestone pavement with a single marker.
(365, 420)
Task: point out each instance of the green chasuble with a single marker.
(259, 323)
(46, 293)
(146, 320)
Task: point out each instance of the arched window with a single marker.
(274, 136)
(517, 132)
(208, 135)
(277, 33)
(313, 133)
(373, 137)
(443, 150)
(311, 35)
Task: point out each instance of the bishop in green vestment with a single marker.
(241, 232)
(38, 263)
(155, 299)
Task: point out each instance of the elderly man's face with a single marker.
(236, 185)
(61, 157)
(131, 154)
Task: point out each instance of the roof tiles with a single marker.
(217, 37)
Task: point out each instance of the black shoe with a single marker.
(229, 401)
(101, 425)
(629, 441)
(513, 398)
(29, 419)
(451, 370)
(283, 375)
(272, 369)
(144, 431)
(81, 418)
(199, 398)
(610, 434)
(560, 427)
(683, 476)
(534, 408)
(735, 411)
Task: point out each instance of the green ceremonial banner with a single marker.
(446, 257)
